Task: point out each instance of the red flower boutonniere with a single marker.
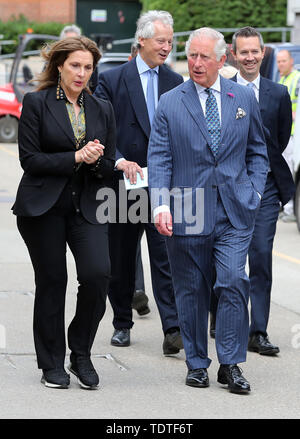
(231, 95)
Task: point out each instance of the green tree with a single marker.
(192, 14)
(20, 25)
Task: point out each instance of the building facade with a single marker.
(63, 11)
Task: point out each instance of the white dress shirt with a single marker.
(242, 81)
(216, 89)
(143, 70)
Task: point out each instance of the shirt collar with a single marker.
(216, 86)
(142, 66)
(61, 96)
(242, 81)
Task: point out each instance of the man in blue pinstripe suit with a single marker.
(207, 147)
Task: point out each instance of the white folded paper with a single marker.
(139, 182)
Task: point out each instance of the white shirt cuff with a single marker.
(118, 161)
(159, 209)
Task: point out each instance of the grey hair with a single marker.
(67, 29)
(145, 24)
(247, 32)
(220, 47)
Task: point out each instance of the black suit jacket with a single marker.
(47, 152)
(276, 113)
(123, 88)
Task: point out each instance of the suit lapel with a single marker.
(91, 110)
(263, 95)
(163, 80)
(136, 96)
(228, 107)
(192, 103)
(59, 111)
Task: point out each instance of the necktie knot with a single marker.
(251, 85)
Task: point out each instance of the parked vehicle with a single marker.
(269, 65)
(24, 67)
(111, 60)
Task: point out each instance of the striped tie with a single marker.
(213, 121)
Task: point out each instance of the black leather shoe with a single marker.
(231, 374)
(172, 343)
(261, 344)
(140, 302)
(121, 337)
(56, 378)
(212, 326)
(197, 378)
(83, 369)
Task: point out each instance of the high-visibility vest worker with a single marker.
(290, 78)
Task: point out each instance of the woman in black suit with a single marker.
(67, 149)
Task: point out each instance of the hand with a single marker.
(130, 170)
(90, 153)
(163, 223)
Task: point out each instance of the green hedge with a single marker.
(192, 14)
(16, 26)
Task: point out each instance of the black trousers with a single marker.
(123, 240)
(46, 238)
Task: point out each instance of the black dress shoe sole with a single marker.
(171, 351)
(81, 384)
(270, 352)
(196, 384)
(231, 387)
(143, 311)
(120, 345)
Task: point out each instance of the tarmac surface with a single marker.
(138, 382)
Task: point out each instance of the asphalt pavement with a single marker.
(138, 382)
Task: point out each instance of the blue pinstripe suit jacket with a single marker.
(179, 156)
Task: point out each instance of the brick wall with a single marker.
(63, 11)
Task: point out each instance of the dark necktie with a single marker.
(213, 120)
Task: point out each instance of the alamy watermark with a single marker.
(2, 337)
(133, 206)
(296, 338)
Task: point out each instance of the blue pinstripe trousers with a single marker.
(192, 259)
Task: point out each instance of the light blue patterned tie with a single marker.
(213, 120)
(252, 87)
(150, 95)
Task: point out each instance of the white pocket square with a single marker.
(240, 113)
